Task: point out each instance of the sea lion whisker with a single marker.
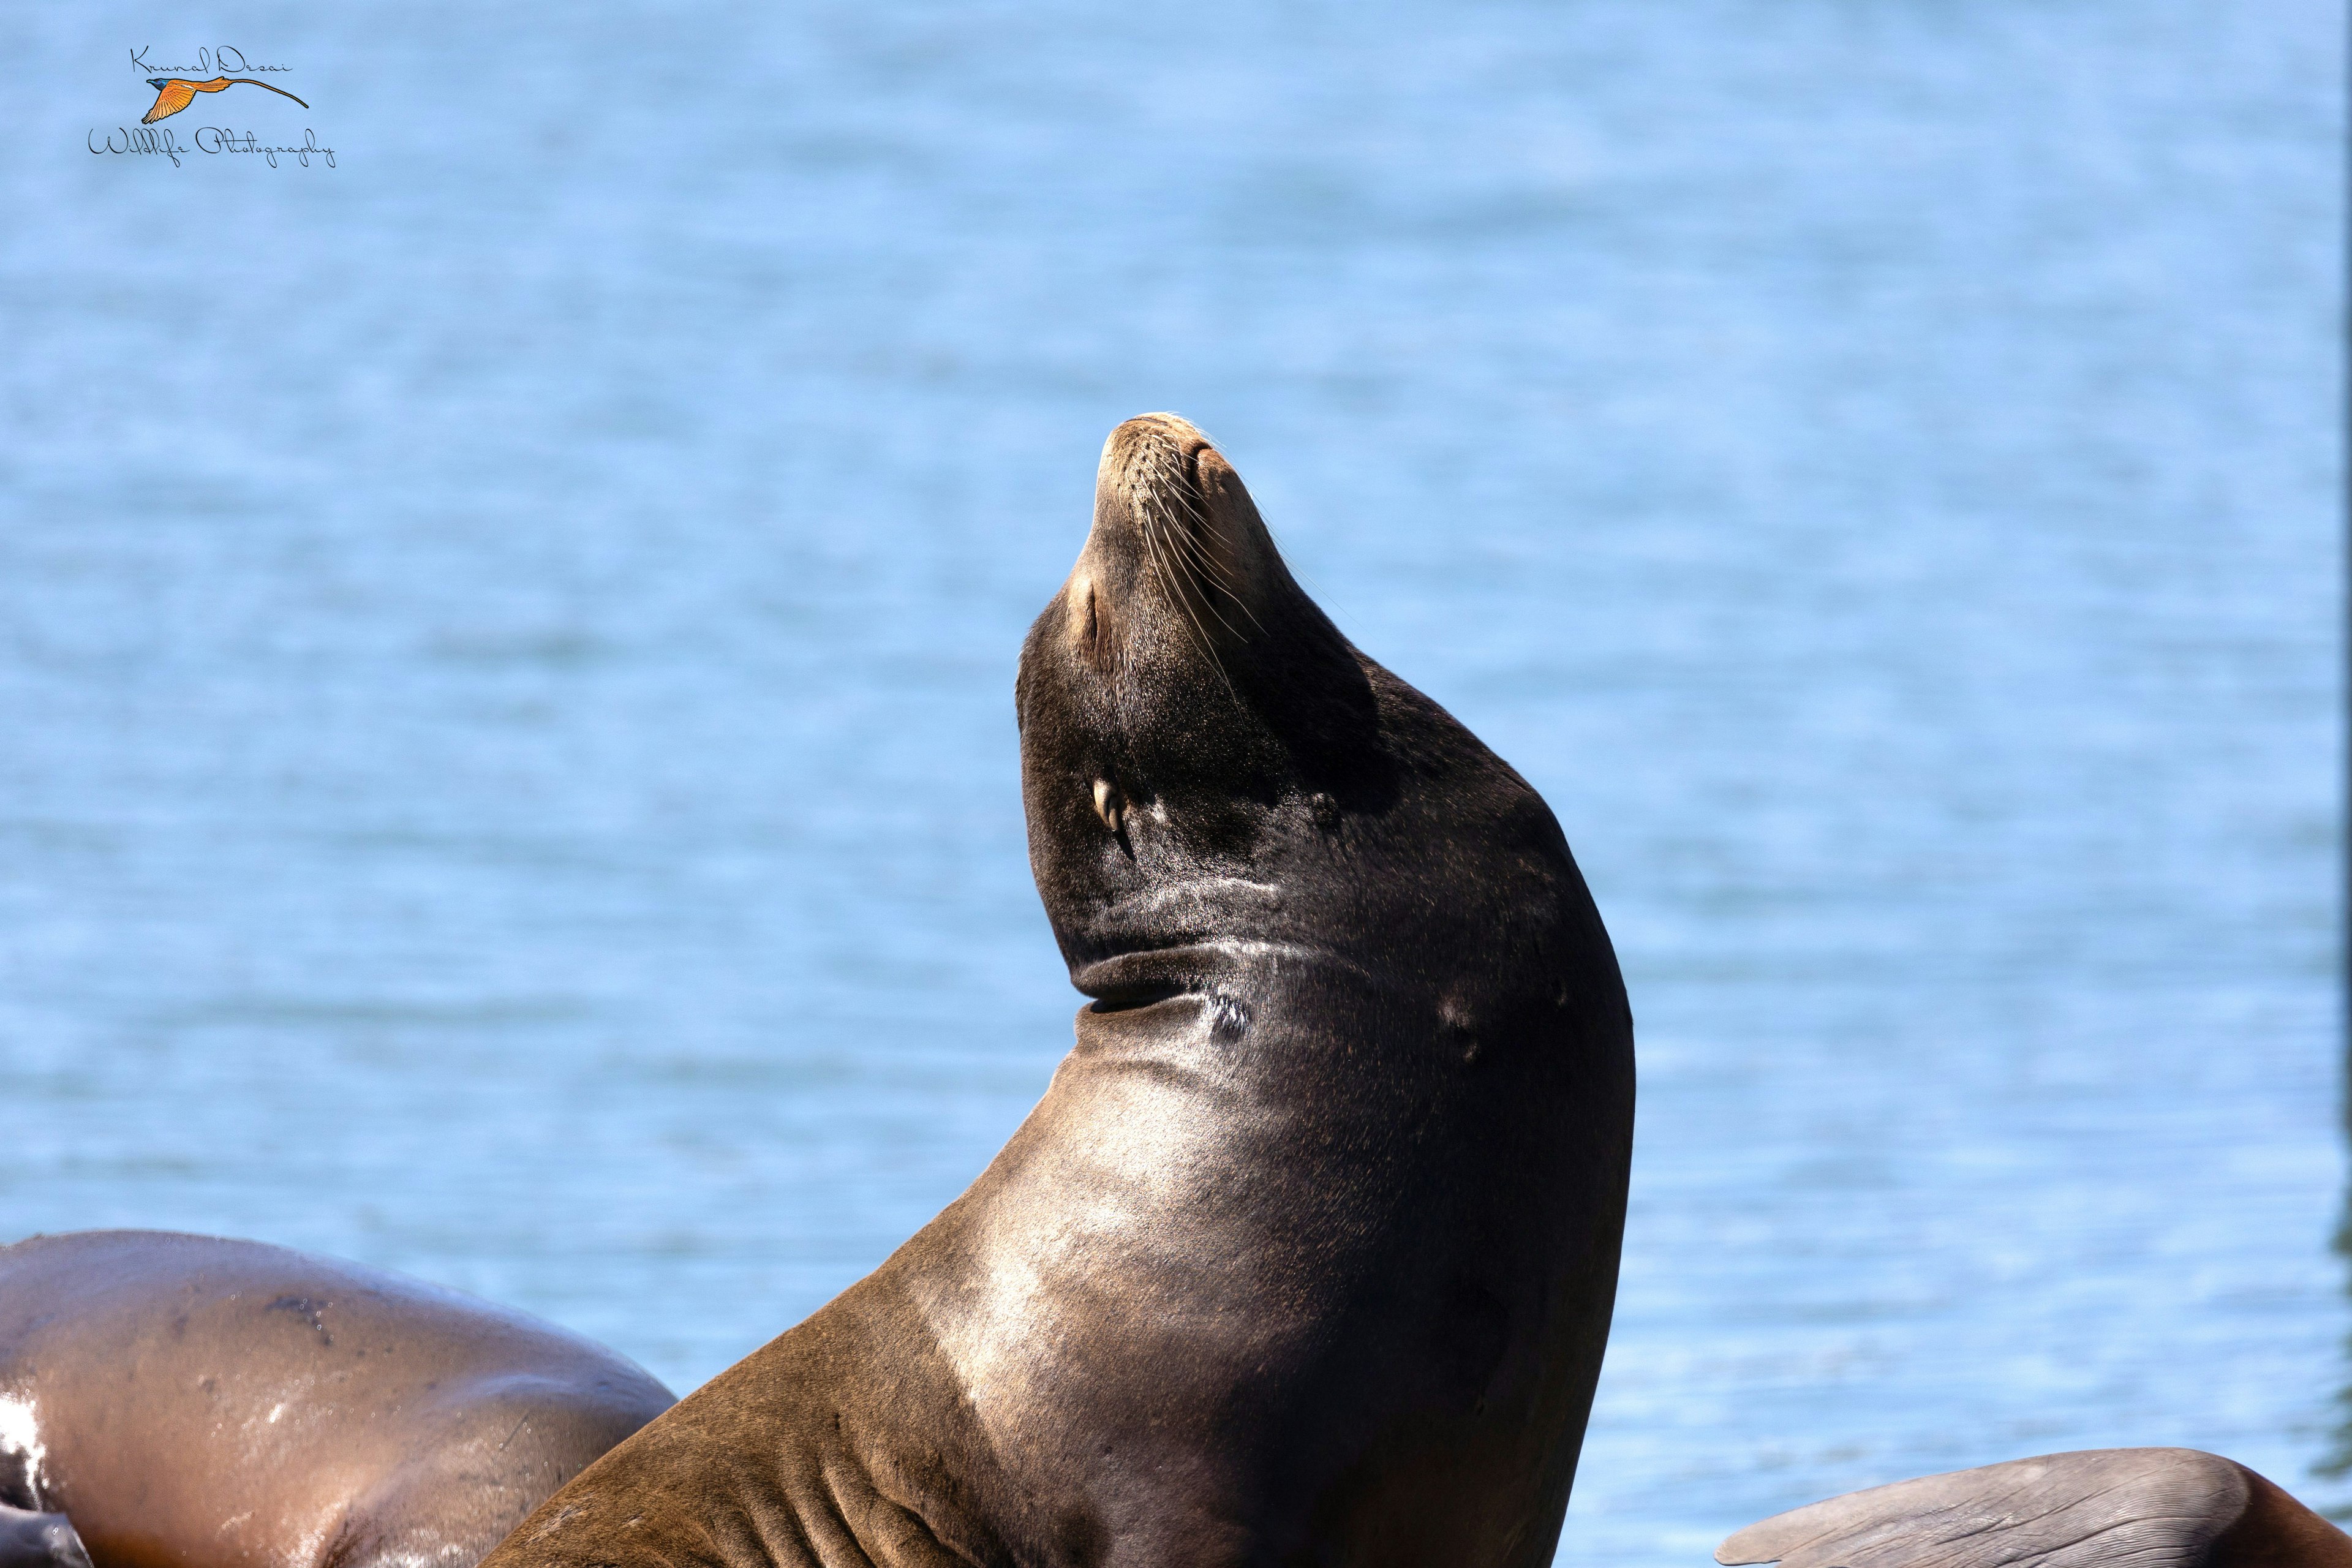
(1190, 536)
(1199, 571)
(1204, 562)
(1217, 581)
(1201, 590)
(1203, 558)
(1172, 585)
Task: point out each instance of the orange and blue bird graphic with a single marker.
(173, 93)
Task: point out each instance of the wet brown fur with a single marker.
(2096, 1507)
(199, 1403)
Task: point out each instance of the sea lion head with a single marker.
(1185, 708)
(1205, 758)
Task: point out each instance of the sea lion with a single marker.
(2144, 1508)
(1308, 1252)
(213, 1404)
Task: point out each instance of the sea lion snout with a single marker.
(1175, 536)
(1152, 450)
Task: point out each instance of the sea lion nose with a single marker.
(1140, 451)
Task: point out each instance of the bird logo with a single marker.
(173, 93)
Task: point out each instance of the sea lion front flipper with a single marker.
(2154, 1508)
(29, 1540)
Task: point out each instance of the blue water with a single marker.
(507, 767)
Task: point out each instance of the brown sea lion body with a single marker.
(207, 1404)
(1308, 1252)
